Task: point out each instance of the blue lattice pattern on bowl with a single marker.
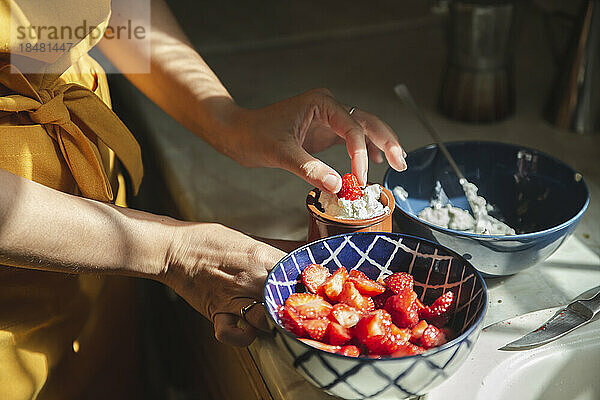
(435, 269)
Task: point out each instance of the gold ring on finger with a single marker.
(244, 310)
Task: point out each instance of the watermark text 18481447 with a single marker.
(53, 37)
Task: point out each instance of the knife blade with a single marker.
(577, 313)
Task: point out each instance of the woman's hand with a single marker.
(281, 135)
(285, 133)
(218, 271)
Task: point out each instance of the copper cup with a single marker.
(321, 225)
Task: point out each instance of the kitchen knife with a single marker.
(579, 312)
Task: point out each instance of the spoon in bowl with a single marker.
(404, 95)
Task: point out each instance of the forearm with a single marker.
(179, 82)
(45, 229)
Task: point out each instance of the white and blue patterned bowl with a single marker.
(435, 269)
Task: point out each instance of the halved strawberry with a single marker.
(432, 337)
(382, 298)
(417, 331)
(401, 301)
(345, 315)
(377, 345)
(376, 323)
(337, 334)
(308, 305)
(350, 189)
(321, 346)
(399, 335)
(291, 321)
(439, 312)
(388, 343)
(403, 309)
(399, 281)
(313, 276)
(316, 328)
(407, 349)
(352, 297)
(332, 287)
(365, 285)
(350, 351)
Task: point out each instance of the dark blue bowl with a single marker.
(435, 269)
(538, 195)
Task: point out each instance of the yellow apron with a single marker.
(56, 330)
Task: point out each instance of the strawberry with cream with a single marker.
(352, 202)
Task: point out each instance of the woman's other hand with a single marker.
(218, 271)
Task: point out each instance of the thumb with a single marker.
(314, 171)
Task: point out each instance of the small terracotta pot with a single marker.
(321, 225)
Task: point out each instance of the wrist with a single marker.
(189, 251)
(201, 249)
(220, 122)
(152, 237)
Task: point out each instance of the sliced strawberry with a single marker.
(403, 309)
(365, 285)
(401, 301)
(337, 334)
(345, 315)
(352, 297)
(321, 346)
(308, 305)
(407, 349)
(399, 281)
(439, 312)
(357, 274)
(350, 351)
(432, 337)
(399, 335)
(291, 321)
(313, 276)
(333, 285)
(377, 345)
(382, 298)
(388, 343)
(376, 323)
(350, 189)
(420, 305)
(417, 331)
(316, 328)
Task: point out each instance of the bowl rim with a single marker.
(362, 223)
(428, 352)
(529, 235)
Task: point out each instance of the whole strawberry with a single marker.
(350, 188)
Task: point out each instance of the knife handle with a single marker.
(592, 304)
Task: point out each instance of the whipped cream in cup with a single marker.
(330, 216)
(368, 206)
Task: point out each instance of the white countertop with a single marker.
(207, 186)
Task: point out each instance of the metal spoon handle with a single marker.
(404, 95)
